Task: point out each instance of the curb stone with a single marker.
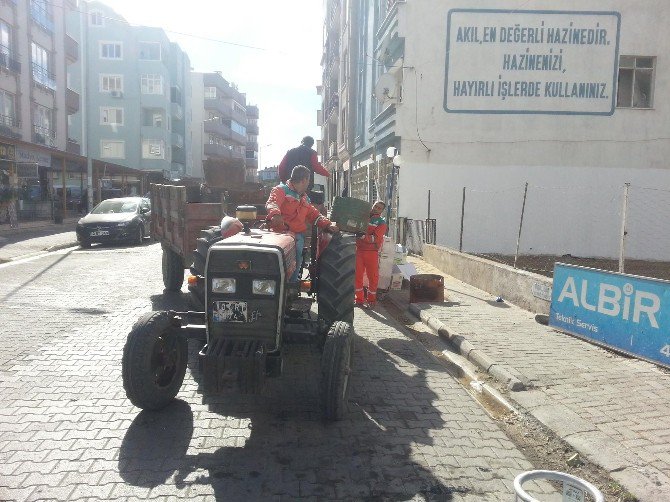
(61, 246)
(467, 350)
(464, 365)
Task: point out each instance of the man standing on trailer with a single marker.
(302, 155)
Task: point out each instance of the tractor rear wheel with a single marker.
(335, 370)
(337, 269)
(173, 270)
(154, 362)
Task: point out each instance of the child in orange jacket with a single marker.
(368, 247)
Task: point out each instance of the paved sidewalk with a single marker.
(610, 408)
(35, 237)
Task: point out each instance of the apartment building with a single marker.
(444, 84)
(220, 119)
(137, 89)
(252, 143)
(36, 102)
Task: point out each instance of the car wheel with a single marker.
(139, 235)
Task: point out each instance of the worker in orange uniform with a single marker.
(368, 247)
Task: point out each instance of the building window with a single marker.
(41, 64)
(635, 86)
(5, 38)
(150, 51)
(151, 84)
(109, 83)
(7, 110)
(153, 149)
(238, 128)
(111, 116)
(152, 117)
(112, 149)
(239, 108)
(210, 92)
(97, 19)
(111, 50)
(43, 131)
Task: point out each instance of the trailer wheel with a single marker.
(173, 270)
(335, 370)
(154, 362)
(335, 290)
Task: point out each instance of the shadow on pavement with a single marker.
(170, 300)
(275, 445)
(153, 438)
(36, 276)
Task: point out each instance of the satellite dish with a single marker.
(386, 88)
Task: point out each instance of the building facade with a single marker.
(252, 143)
(137, 90)
(37, 102)
(556, 113)
(220, 120)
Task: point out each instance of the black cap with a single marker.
(307, 141)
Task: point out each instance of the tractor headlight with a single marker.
(263, 287)
(123, 223)
(223, 285)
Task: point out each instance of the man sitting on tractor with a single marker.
(289, 209)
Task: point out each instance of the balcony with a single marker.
(177, 140)
(41, 17)
(252, 129)
(251, 163)
(44, 136)
(252, 112)
(73, 147)
(44, 77)
(220, 106)
(214, 127)
(176, 111)
(252, 146)
(71, 101)
(218, 151)
(10, 126)
(9, 59)
(71, 49)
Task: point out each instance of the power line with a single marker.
(192, 35)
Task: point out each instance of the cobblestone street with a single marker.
(67, 431)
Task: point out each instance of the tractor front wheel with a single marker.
(335, 370)
(335, 290)
(154, 362)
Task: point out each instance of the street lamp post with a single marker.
(260, 149)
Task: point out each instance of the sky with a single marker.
(280, 75)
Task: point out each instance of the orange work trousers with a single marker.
(367, 262)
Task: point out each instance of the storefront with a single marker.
(44, 183)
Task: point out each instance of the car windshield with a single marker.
(115, 206)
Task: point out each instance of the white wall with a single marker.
(576, 165)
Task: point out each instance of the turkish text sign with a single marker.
(552, 62)
(625, 312)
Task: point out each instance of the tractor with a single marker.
(250, 313)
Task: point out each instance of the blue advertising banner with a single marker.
(625, 312)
